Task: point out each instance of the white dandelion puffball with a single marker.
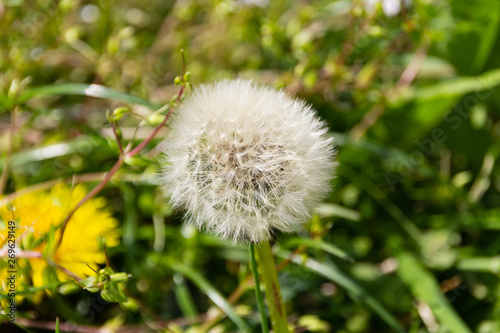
(244, 160)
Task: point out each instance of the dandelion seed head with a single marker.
(243, 160)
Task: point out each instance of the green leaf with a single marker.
(334, 274)
(487, 220)
(82, 144)
(475, 33)
(211, 292)
(51, 243)
(138, 161)
(423, 286)
(381, 197)
(183, 296)
(130, 226)
(421, 110)
(32, 290)
(326, 210)
(480, 264)
(379, 150)
(92, 90)
(320, 245)
(453, 87)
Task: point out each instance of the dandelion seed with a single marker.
(257, 160)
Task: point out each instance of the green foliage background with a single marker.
(412, 101)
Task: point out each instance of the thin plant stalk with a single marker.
(272, 287)
(126, 153)
(258, 293)
(5, 171)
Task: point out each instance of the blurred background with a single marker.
(409, 239)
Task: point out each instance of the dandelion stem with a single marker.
(242, 287)
(258, 293)
(272, 287)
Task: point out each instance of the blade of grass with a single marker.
(5, 172)
(320, 245)
(423, 286)
(480, 264)
(159, 230)
(92, 90)
(183, 296)
(332, 273)
(482, 220)
(32, 290)
(326, 210)
(129, 226)
(82, 144)
(453, 87)
(212, 293)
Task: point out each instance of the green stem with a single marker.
(272, 287)
(258, 293)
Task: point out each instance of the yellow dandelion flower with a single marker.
(40, 212)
